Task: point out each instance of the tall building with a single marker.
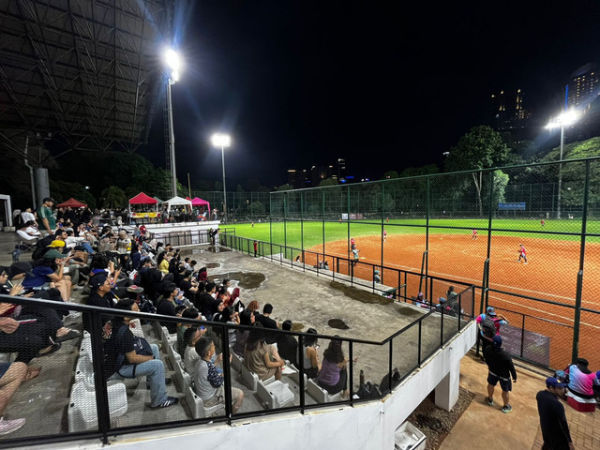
(508, 110)
(584, 86)
(341, 168)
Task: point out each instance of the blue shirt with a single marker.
(40, 276)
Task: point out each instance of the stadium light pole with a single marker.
(222, 141)
(563, 120)
(174, 64)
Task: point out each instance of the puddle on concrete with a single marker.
(246, 280)
(217, 249)
(360, 295)
(337, 323)
(212, 265)
(409, 312)
(297, 326)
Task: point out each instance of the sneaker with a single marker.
(490, 401)
(170, 401)
(506, 409)
(8, 426)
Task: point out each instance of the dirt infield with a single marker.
(551, 273)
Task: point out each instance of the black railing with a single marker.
(104, 422)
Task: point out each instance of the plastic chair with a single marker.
(320, 394)
(197, 408)
(236, 361)
(275, 394)
(82, 409)
(182, 378)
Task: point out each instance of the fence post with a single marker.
(323, 218)
(302, 229)
(522, 335)
(301, 370)
(419, 343)
(390, 365)
(489, 230)
(102, 408)
(427, 214)
(271, 224)
(442, 326)
(351, 374)
(348, 222)
(226, 373)
(577, 319)
(285, 224)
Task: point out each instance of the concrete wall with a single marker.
(367, 426)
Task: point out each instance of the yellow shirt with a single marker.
(164, 266)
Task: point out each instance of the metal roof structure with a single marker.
(88, 71)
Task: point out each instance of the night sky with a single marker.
(298, 83)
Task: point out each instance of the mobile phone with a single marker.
(27, 321)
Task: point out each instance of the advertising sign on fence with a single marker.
(512, 206)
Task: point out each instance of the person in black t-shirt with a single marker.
(101, 294)
(166, 307)
(553, 421)
(287, 346)
(267, 322)
(122, 358)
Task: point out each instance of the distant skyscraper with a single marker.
(341, 168)
(295, 178)
(584, 86)
(508, 110)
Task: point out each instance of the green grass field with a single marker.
(313, 230)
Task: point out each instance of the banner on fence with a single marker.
(512, 206)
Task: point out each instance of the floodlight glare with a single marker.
(220, 140)
(564, 119)
(174, 63)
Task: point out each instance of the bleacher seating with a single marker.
(320, 394)
(197, 408)
(82, 408)
(183, 379)
(274, 394)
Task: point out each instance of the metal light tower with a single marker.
(222, 141)
(174, 63)
(563, 120)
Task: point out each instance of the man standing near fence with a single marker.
(255, 243)
(500, 367)
(553, 421)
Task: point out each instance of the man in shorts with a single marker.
(500, 369)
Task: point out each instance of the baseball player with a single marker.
(543, 223)
(522, 253)
(474, 235)
(384, 235)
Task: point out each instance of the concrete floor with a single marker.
(297, 296)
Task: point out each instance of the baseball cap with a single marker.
(56, 244)
(553, 382)
(52, 254)
(497, 341)
(490, 310)
(98, 280)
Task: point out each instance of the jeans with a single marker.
(87, 246)
(154, 370)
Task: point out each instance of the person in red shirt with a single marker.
(522, 253)
(255, 248)
(384, 235)
(542, 222)
(474, 235)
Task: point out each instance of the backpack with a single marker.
(488, 328)
(140, 346)
(41, 247)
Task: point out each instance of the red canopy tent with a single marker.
(199, 202)
(71, 203)
(142, 199)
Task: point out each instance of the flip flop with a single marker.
(72, 334)
(53, 348)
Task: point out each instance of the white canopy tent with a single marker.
(178, 201)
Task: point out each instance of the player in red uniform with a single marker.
(542, 222)
(522, 253)
(474, 235)
(384, 235)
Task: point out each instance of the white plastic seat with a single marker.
(86, 348)
(295, 377)
(167, 338)
(197, 408)
(173, 356)
(182, 378)
(250, 379)
(275, 394)
(82, 409)
(320, 394)
(84, 368)
(236, 361)
(137, 328)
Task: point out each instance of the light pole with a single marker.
(565, 119)
(174, 63)
(222, 141)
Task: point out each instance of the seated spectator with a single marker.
(28, 232)
(101, 294)
(208, 379)
(310, 354)
(246, 318)
(333, 376)
(254, 308)
(163, 262)
(236, 301)
(267, 322)
(11, 377)
(188, 313)
(581, 379)
(50, 270)
(190, 337)
(167, 306)
(287, 346)
(202, 274)
(123, 359)
(260, 357)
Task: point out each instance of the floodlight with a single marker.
(174, 63)
(564, 119)
(220, 140)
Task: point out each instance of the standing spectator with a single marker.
(500, 368)
(255, 244)
(46, 216)
(333, 376)
(553, 421)
(287, 346)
